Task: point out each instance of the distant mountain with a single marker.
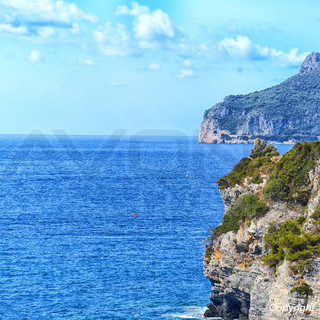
(285, 113)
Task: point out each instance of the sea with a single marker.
(108, 227)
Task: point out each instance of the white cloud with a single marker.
(148, 26)
(114, 40)
(184, 73)
(47, 12)
(187, 63)
(41, 17)
(135, 11)
(290, 59)
(87, 62)
(9, 29)
(150, 30)
(46, 32)
(243, 48)
(35, 56)
(75, 28)
(154, 66)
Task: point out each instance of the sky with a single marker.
(99, 67)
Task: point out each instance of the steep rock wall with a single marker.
(243, 287)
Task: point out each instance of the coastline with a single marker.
(259, 259)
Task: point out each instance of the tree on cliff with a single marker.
(260, 149)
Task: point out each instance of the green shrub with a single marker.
(273, 259)
(301, 220)
(246, 208)
(300, 266)
(260, 149)
(245, 168)
(276, 189)
(302, 197)
(303, 289)
(289, 241)
(209, 253)
(290, 178)
(270, 151)
(257, 179)
(316, 214)
(236, 175)
(258, 146)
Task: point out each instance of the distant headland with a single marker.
(285, 113)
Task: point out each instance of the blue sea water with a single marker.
(70, 246)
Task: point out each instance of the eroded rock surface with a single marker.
(243, 287)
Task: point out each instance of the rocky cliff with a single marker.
(285, 113)
(263, 260)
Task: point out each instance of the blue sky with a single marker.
(94, 67)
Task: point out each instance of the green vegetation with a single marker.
(301, 220)
(261, 150)
(290, 178)
(246, 208)
(257, 179)
(303, 289)
(258, 146)
(245, 168)
(209, 253)
(289, 241)
(289, 181)
(316, 214)
(260, 159)
(288, 102)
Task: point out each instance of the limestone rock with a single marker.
(242, 286)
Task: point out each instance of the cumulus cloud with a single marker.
(46, 32)
(184, 73)
(146, 29)
(148, 25)
(47, 12)
(41, 17)
(187, 63)
(35, 56)
(151, 29)
(87, 62)
(7, 28)
(243, 48)
(154, 66)
(291, 59)
(115, 40)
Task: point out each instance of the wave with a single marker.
(192, 312)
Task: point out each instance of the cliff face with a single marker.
(285, 113)
(256, 272)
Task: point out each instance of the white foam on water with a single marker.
(192, 312)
